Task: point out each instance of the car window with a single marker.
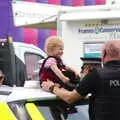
(31, 61)
(45, 110)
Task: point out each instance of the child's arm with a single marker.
(57, 71)
(52, 64)
(73, 70)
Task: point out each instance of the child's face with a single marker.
(58, 51)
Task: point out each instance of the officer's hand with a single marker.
(46, 85)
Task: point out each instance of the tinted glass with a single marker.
(31, 61)
(46, 112)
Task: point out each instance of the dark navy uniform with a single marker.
(104, 84)
(91, 63)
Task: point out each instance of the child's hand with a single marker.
(77, 74)
(46, 85)
(66, 80)
(57, 85)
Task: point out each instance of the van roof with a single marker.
(22, 93)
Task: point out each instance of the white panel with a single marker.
(25, 13)
(90, 15)
(75, 33)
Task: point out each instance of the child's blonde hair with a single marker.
(52, 42)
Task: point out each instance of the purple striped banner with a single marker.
(42, 35)
(42, 1)
(30, 36)
(90, 2)
(66, 2)
(55, 2)
(100, 2)
(77, 2)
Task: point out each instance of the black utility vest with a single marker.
(47, 73)
(107, 100)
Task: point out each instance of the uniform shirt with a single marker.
(89, 84)
(92, 82)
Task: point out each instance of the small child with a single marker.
(55, 70)
(53, 67)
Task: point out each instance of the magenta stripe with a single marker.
(100, 2)
(82, 2)
(77, 2)
(56, 2)
(30, 36)
(53, 32)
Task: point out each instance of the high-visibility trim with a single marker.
(33, 111)
(5, 112)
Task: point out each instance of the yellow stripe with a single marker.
(6, 113)
(33, 111)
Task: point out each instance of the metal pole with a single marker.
(59, 24)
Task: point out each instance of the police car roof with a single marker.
(11, 94)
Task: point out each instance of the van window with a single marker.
(32, 66)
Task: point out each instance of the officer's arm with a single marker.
(68, 96)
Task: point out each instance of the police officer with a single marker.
(103, 83)
(88, 65)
